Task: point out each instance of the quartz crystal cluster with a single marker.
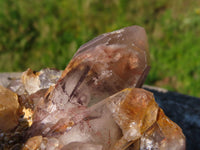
(98, 103)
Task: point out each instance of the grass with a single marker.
(38, 34)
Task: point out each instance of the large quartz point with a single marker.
(103, 66)
(100, 68)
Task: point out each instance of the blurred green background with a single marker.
(46, 33)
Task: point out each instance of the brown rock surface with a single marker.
(9, 109)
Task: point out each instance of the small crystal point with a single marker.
(164, 134)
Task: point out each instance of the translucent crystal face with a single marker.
(164, 134)
(101, 72)
(118, 54)
(43, 79)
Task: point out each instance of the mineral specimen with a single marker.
(9, 109)
(97, 103)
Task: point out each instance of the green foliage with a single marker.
(39, 34)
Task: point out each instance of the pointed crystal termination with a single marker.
(100, 68)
